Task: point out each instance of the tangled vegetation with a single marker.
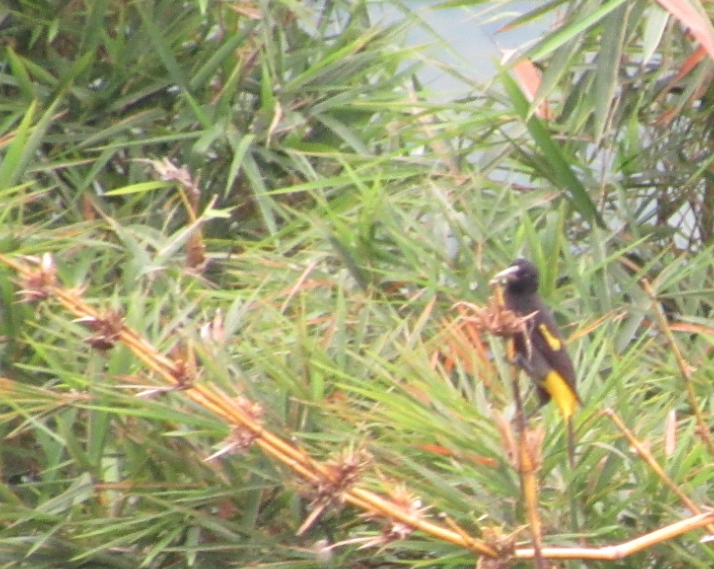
(245, 259)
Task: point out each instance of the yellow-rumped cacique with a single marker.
(540, 349)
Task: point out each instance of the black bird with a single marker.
(540, 349)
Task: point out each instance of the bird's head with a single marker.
(521, 276)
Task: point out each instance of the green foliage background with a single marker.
(343, 212)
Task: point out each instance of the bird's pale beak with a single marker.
(505, 275)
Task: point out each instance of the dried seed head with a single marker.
(343, 472)
(241, 437)
(169, 172)
(494, 318)
(185, 370)
(251, 408)
(106, 327)
(37, 282)
(504, 544)
(395, 529)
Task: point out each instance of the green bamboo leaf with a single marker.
(21, 75)
(571, 30)
(175, 70)
(12, 161)
(330, 61)
(563, 175)
(558, 70)
(655, 24)
(608, 67)
(260, 192)
(25, 143)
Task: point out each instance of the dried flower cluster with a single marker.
(35, 284)
(241, 437)
(335, 482)
(342, 472)
(185, 369)
(107, 327)
(393, 529)
(494, 318)
(169, 172)
(504, 544)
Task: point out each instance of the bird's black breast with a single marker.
(542, 343)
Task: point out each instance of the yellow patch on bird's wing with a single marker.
(563, 395)
(553, 341)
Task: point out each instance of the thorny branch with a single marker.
(38, 281)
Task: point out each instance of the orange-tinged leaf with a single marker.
(690, 63)
(665, 117)
(436, 449)
(528, 78)
(465, 343)
(692, 328)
